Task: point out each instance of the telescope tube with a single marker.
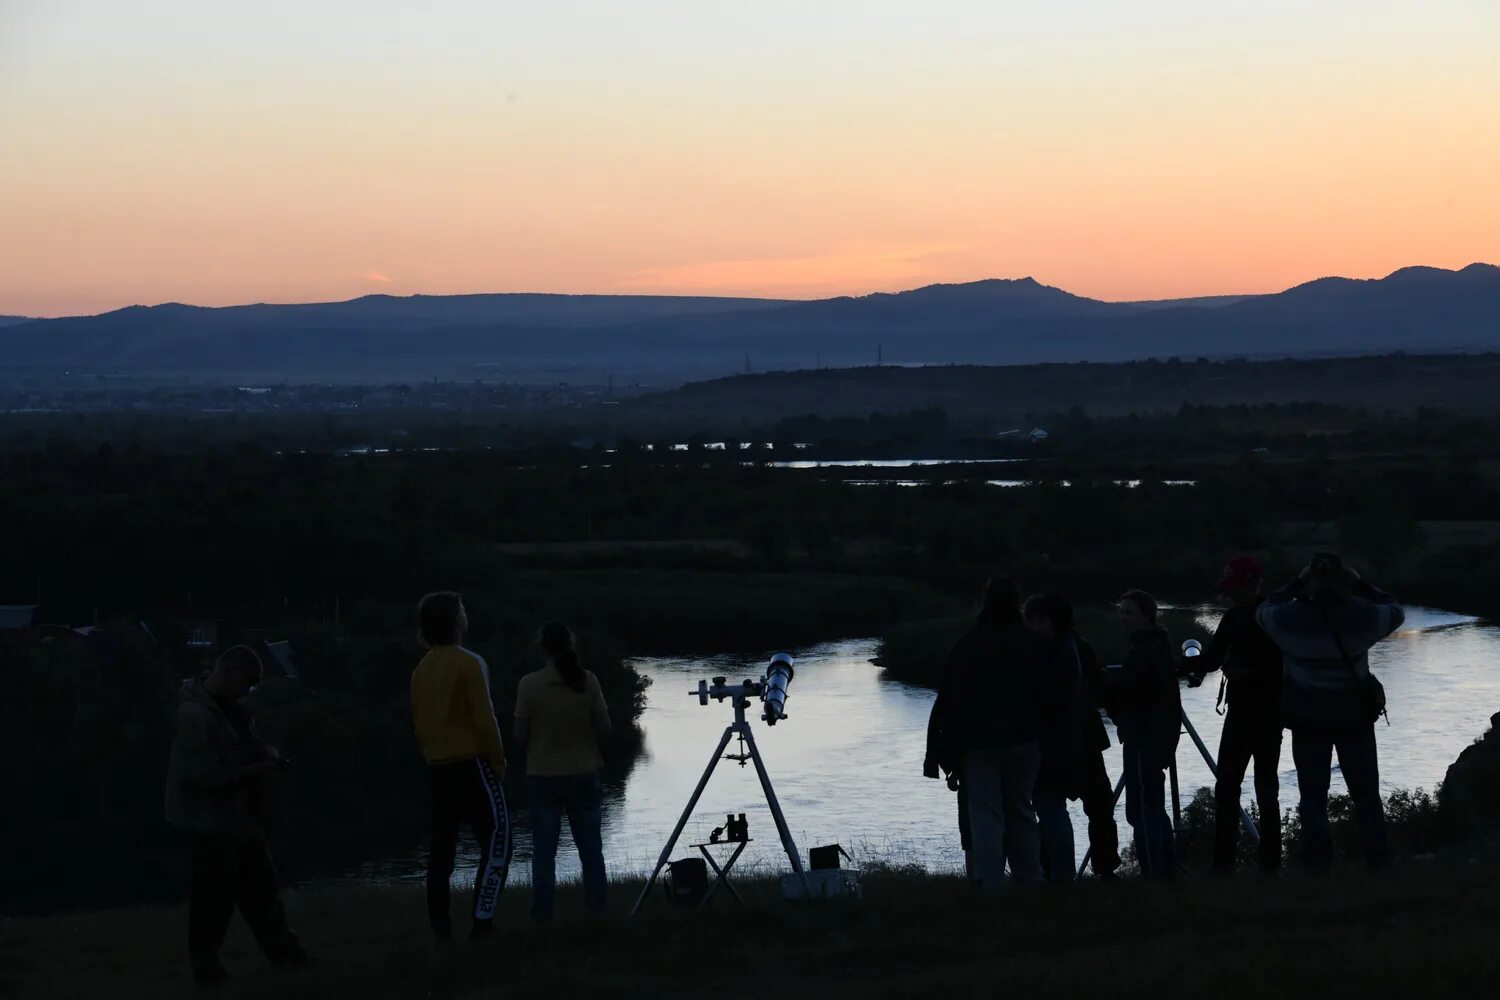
(778, 676)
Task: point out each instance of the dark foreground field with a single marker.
(1428, 929)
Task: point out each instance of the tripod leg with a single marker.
(1176, 801)
(781, 827)
(666, 852)
(1213, 768)
(1119, 790)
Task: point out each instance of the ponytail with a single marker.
(556, 640)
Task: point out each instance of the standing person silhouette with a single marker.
(1076, 766)
(1146, 705)
(215, 786)
(456, 729)
(1325, 622)
(1252, 719)
(561, 719)
(988, 711)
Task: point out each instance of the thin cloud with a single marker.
(376, 276)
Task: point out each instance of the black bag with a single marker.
(686, 881)
(1367, 687)
(1372, 698)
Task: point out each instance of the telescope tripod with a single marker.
(748, 752)
(1213, 768)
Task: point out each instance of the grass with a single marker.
(1426, 929)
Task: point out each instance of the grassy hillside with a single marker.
(1426, 930)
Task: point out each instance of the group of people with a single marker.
(1017, 727)
(561, 720)
(219, 765)
(1018, 730)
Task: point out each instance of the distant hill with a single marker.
(676, 339)
(1016, 395)
(1202, 301)
(13, 320)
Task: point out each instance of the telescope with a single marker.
(770, 689)
(778, 676)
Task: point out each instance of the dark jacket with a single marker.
(1144, 697)
(205, 792)
(1063, 703)
(991, 695)
(1321, 687)
(1095, 734)
(1250, 660)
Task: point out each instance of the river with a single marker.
(846, 762)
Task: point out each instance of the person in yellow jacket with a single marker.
(458, 734)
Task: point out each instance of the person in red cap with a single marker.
(1252, 724)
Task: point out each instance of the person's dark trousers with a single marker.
(1312, 751)
(1146, 809)
(580, 798)
(1248, 734)
(467, 793)
(1002, 822)
(230, 872)
(1097, 793)
(1056, 828)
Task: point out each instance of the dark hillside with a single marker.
(1006, 395)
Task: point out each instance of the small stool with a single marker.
(721, 875)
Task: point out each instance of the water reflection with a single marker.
(886, 463)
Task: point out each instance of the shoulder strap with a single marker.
(1348, 660)
(1343, 653)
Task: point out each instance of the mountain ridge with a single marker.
(990, 321)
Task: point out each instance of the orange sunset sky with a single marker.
(223, 153)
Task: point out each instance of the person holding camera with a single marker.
(215, 789)
(456, 729)
(1252, 722)
(987, 716)
(561, 719)
(1325, 622)
(1146, 704)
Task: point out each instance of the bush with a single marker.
(1412, 820)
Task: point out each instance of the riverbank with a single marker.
(916, 652)
(1426, 929)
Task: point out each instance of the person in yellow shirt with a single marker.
(561, 719)
(458, 734)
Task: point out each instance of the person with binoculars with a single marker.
(1325, 622)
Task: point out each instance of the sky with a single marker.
(221, 153)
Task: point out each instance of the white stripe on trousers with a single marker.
(497, 859)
